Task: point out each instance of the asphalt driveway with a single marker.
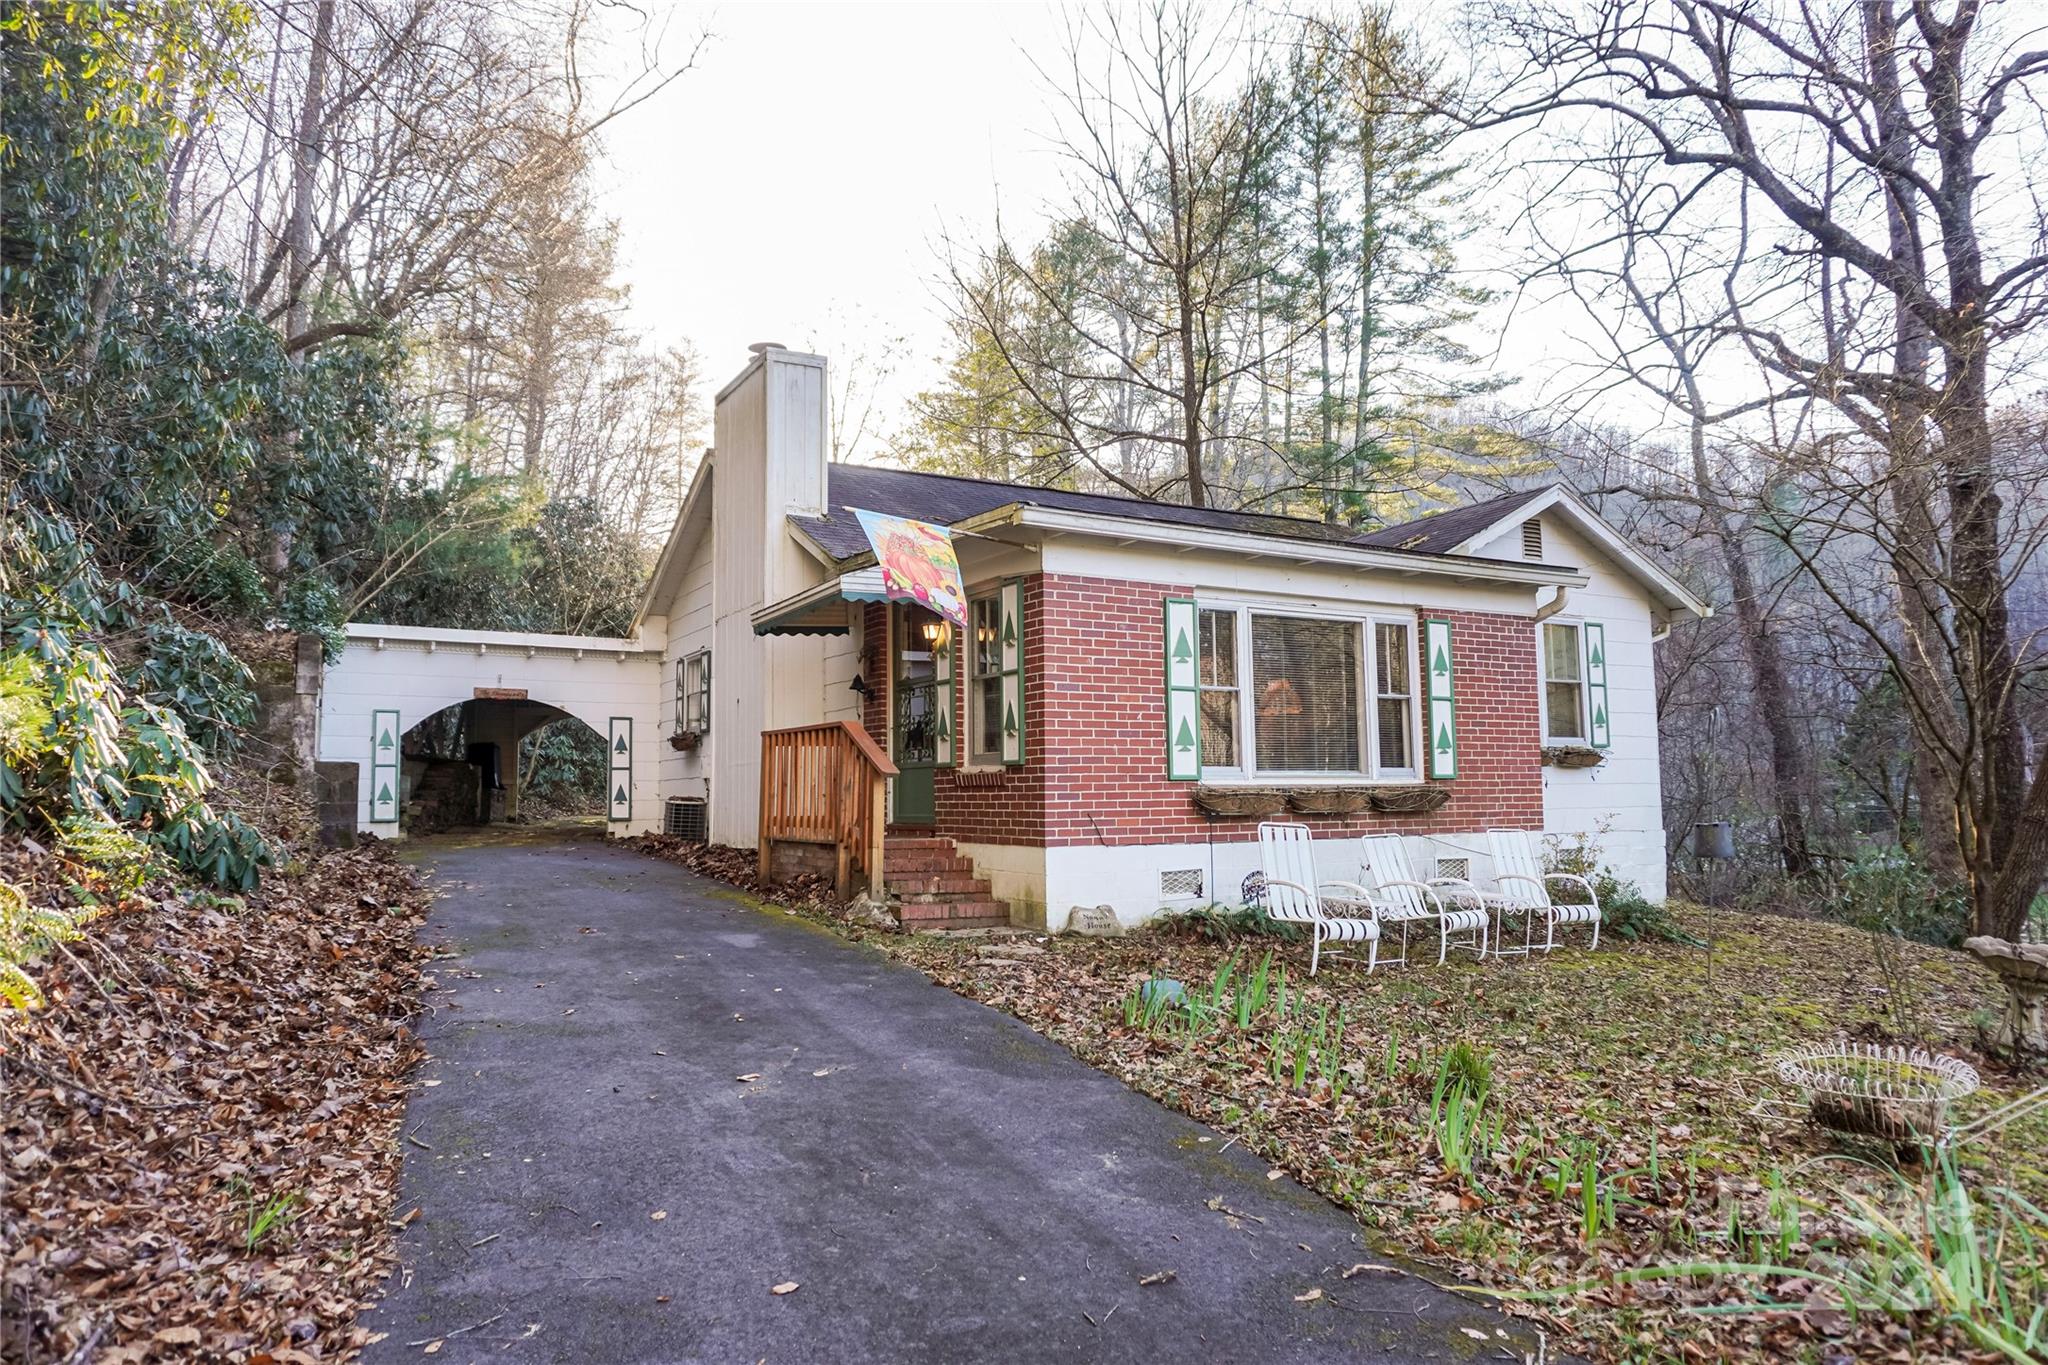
(941, 1183)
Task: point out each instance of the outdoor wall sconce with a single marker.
(935, 634)
(860, 686)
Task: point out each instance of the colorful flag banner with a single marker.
(918, 563)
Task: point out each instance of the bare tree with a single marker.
(1847, 148)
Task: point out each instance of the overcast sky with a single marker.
(795, 187)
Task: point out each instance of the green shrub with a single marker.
(1221, 923)
(1888, 891)
(193, 674)
(1625, 912)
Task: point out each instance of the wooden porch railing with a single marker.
(825, 784)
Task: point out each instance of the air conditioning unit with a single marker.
(686, 817)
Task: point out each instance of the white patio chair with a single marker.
(1336, 912)
(1399, 896)
(1524, 888)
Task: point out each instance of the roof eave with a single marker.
(670, 548)
(1281, 547)
(1671, 594)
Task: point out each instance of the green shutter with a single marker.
(1010, 640)
(1439, 671)
(1183, 692)
(619, 780)
(1598, 731)
(946, 751)
(384, 757)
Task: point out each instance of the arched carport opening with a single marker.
(506, 760)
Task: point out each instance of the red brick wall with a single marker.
(1095, 769)
(1106, 717)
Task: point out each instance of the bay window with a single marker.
(1286, 696)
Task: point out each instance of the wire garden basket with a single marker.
(1890, 1093)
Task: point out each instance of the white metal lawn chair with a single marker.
(1524, 889)
(1400, 897)
(1335, 912)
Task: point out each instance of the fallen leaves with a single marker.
(786, 1287)
(657, 1216)
(1159, 1277)
(1310, 1297)
(223, 1062)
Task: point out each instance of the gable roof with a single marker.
(947, 499)
(1441, 533)
(1460, 530)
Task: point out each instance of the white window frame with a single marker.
(1362, 620)
(1578, 630)
(685, 689)
(978, 758)
(1238, 732)
(1413, 771)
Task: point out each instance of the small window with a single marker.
(985, 683)
(1532, 539)
(1564, 688)
(1393, 696)
(693, 694)
(1219, 689)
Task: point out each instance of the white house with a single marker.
(1131, 669)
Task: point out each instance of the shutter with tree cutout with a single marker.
(1597, 729)
(945, 690)
(1443, 702)
(1183, 693)
(1010, 640)
(619, 780)
(384, 767)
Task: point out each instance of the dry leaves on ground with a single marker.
(202, 1127)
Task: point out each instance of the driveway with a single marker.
(650, 1102)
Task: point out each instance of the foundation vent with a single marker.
(1459, 868)
(1181, 883)
(686, 819)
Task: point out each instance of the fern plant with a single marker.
(27, 933)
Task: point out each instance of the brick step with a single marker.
(911, 864)
(917, 843)
(977, 914)
(926, 883)
(941, 897)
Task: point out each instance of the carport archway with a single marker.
(474, 762)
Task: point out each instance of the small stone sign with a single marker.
(1094, 921)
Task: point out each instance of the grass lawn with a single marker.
(1617, 1133)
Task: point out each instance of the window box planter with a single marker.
(1242, 802)
(685, 741)
(1573, 756)
(1409, 800)
(1329, 800)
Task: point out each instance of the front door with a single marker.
(914, 692)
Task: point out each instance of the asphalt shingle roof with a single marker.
(945, 499)
(1439, 533)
